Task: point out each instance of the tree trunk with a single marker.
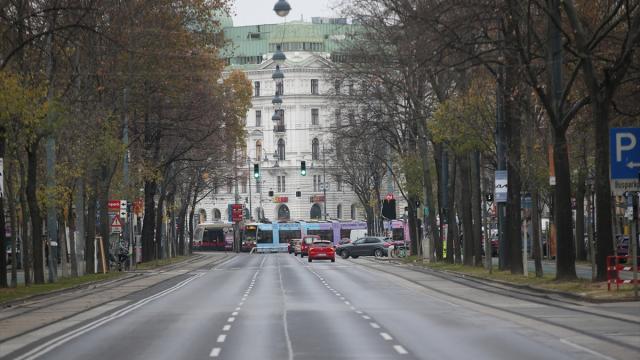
(3, 238)
(27, 242)
(72, 239)
(581, 253)
(81, 239)
(90, 244)
(476, 207)
(34, 211)
(149, 221)
(467, 214)
(566, 257)
(604, 238)
(430, 223)
(11, 199)
(103, 210)
(452, 224)
(159, 229)
(411, 202)
(536, 241)
(439, 160)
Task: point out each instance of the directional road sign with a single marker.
(625, 159)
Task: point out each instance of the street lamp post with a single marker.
(324, 180)
(249, 181)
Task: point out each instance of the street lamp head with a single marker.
(277, 102)
(278, 75)
(282, 8)
(276, 117)
(278, 57)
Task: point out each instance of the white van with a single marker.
(357, 234)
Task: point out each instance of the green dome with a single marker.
(223, 18)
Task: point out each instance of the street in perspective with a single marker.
(296, 180)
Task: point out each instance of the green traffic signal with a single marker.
(303, 168)
(256, 171)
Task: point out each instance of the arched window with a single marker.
(216, 214)
(258, 150)
(353, 211)
(281, 150)
(316, 212)
(315, 149)
(339, 211)
(203, 216)
(283, 213)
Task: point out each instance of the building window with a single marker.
(338, 120)
(258, 150)
(281, 150)
(352, 118)
(243, 184)
(336, 86)
(315, 183)
(339, 211)
(315, 149)
(258, 118)
(314, 87)
(256, 87)
(281, 184)
(339, 182)
(315, 117)
(258, 187)
(280, 88)
(351, 92)
(353, 211)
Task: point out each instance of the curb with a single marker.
(477, 279)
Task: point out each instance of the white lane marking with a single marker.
(374, 325)
(237, 309)
(235, 313)
(226, 327)
(231, 319)
(214, 352)
(400, 349)
(366, 317)
(342, 298)
(338, 294)
(284, 314)
(347, 303)
(567, 342)
(240, 303)
(56, 342)
(353, 308)
(386, 336)
(221, 338)
(358, 312)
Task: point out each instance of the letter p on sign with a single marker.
(626, 146)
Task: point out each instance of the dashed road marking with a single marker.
(374, 325)
(238, 308)
(221, 338)
(400, 350)
(214, 352)
(226, 327)
(235, 313)
(386, 336)
(231, 319)
(366, 317)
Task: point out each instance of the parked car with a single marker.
(306, 242)
(322, 250)
(297, 247)
(344, 241)
(367, 246)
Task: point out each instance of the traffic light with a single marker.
(270, 192)
(256, 171)
(489, 197)
(303, 168)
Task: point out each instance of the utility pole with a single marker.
(125, 175)
(249, 181)
(324, 181)
(52, 223)
(502, 165)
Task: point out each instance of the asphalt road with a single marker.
(277, 306)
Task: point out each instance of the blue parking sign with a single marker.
(624, 145)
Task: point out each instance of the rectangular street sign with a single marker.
(113, 205)
(624, 148)
(501, 186)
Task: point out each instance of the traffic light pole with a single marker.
(324, 181)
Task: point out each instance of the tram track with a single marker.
(90, 289)
(492, 289)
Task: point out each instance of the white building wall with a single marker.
(297, 103)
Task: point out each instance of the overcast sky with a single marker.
(254, 12)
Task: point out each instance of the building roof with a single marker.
(248, 45)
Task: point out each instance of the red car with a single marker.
(307, 241)
(322, 250)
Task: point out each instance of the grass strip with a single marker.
(580, 287)
(10, 294)
(162, 262)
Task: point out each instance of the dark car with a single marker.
(367, 246)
